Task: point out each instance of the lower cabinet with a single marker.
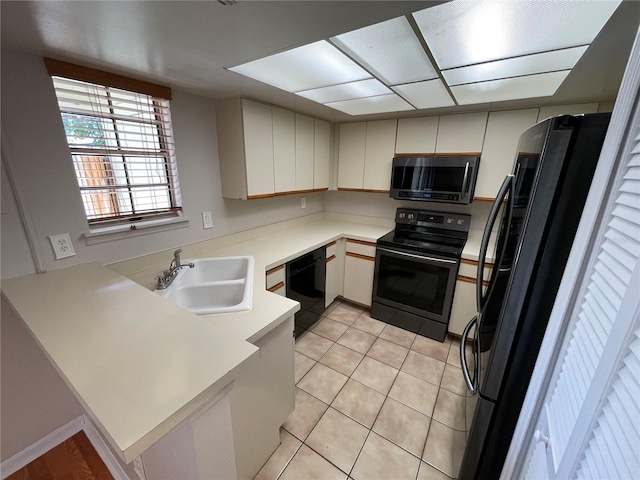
(199, 447)
(332, 287)
(464, 305)
(276, 280)
(359, 266)
(261, 400)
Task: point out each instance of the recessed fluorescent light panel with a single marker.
(311, 66)
(514, 67)
(369, 105)
(390, 50)
(466, 32)
(429, 94)
(484, 51)
(346, 91)
(541, 85)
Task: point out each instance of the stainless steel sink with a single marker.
(213, 285)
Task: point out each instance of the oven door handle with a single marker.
(421, 257)
(464, 180)
(472, 384)
(505, 188)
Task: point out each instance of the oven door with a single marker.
(418, 283)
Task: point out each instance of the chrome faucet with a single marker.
(169, 276)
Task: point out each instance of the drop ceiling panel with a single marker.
(429, 94)
(514, 67)
(390, 50)
(318, 64)
(346, 91)
(530, 86)
(461, 33)
(370, 105)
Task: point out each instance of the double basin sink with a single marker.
(213, 285)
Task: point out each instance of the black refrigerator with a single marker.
(539, 206)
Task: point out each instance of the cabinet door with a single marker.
(258, 144)
(499, 150)
(284, 149)
(461, 133)
(380, 146)
(304, 152)
(464, 306)
(358, 279)
(331, 288)
(417, 135)
(321, 153)
(351, 155)
(552, 111)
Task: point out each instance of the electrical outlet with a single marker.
(62, 245)
(303, 202)
(207, 220)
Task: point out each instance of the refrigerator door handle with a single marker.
(505, 189)
(472, 384)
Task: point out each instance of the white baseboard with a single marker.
(42, 446)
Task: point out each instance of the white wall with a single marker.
(35, 399)
(381, 206)
(35, 146)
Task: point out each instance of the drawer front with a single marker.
(275, 276)
(469, 268)
(360, 247)
(331, 249)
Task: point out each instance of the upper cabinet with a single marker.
(366, 150)
(245, 147)
(378, 155)
(321, 154)
(499, 149)
(304, 152)
(266, 151)
(351, 155)
(284, 149)
(462, 133)
(417, 135)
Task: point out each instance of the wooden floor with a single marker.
(73, 459)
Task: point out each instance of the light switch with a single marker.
(207, 220)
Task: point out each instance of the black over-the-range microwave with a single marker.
(435, 179)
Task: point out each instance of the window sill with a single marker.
(118, 232)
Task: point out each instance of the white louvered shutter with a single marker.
(592, 410)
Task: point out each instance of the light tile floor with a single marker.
(373, 401)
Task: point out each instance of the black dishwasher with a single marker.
(306, 283)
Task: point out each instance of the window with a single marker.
(121, 144)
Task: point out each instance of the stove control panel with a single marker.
(429, 218)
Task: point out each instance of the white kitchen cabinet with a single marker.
(499, 150)
(321, 154)
(335, 266)
(261, 400)
(304, 152)
(552, 111)
(199, 447)
(359, 266)
(284, 149)
(379, 151)
(351, 152)
(463, 133)
(417, 135)
(276, 280)
(245, 148)
(464, 305)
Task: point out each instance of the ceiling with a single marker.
(188, 45)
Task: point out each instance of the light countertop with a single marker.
(139, 364)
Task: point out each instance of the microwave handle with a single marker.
(464, 180)
(507, 186)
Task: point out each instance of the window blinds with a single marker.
(122, 148)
